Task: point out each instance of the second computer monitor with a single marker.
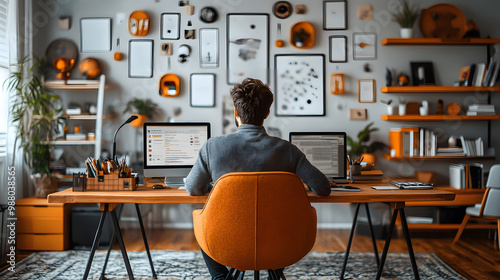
(171, 149)
(325, 150)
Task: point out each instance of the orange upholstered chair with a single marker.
(256, 221)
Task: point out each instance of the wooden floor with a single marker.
(475, 256)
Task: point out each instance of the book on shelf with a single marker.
(465, 176)
(371, 175)
(494, 75)
(479, 74)
(481, 110)
(489, 72)
(472, 147)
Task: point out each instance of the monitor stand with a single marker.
(175, 182)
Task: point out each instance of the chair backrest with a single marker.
(492, 203)
(257, 221)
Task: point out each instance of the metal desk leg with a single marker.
(373, 235)
(353, 228)
(139, 216)
(96, 241)
(122, 246)
(110, 245)
(408, 243)
(387, 243)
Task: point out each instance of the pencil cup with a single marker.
(355, 169)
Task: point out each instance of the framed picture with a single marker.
(334, 15)
(247, 47)
(202, 90)
(140, 59)
(338, 48)
(300, 84)
(366, 91)
(95, 34)
(170, 26)
(209, 47)
(364, 46)
(422, 73)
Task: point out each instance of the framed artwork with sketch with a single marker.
(300, 84)
(247, 47)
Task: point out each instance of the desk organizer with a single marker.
(106, 182)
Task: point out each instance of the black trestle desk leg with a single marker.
(348, 249)
(122, 245)
(96, 241)
(373, 235)
(408, 243)
(256, 275)
(387, 243)
(139, 216)
(111, 242)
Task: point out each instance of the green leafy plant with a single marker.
(361, 146)
(386, 102)
(408, 15)
(142, 107)
(36, 113)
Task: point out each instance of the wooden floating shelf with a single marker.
(440, 89)
(87, 117)
(438, 41)
(72, 142)
(438, 118)
(53, 85)
(429, 158)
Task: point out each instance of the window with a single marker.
(4, 74)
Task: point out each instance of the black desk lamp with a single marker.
(129, 120)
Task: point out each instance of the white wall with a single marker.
(447, 62)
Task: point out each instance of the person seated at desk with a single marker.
(249, 149)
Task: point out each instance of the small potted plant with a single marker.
(361, 148)
(36, 113)
(391, 109)
(406, 18)
(144, 109)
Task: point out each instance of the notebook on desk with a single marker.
(326, 151)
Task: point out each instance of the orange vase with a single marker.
(369, 158)
(137, 123)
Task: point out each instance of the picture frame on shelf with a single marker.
(334, 15)
(422, 73)
(366, 91)
(338, 48)
(95, 34)
(202, 90)
(364, 46)
(247, 47)
(140, 62)
(300, 84)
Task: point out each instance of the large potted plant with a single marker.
(406, 18)
(35, 113)
(361, 148)
(143, 108)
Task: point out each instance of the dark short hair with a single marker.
(252, 99)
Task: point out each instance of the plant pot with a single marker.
(402, 109)
(406, 32)
(392, 110)
(45, 185)
(137, 123)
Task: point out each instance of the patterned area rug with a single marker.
(175, 265)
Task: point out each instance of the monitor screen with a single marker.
(171, 146)
(325, 150)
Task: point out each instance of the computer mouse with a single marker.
(158, 186)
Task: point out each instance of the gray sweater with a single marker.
(251, 149)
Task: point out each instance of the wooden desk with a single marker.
(394, 198)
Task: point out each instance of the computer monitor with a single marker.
(325, 150)
(171, 149)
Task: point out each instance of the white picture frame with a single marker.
(170, 26)
(247, 47)
(95, 35)
(335, 15)
(364, 46)
(366, 91)
(338, 48)
(140, 58)
(209, 47)
(300, 85)
(202, 90)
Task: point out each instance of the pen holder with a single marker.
(355, 169)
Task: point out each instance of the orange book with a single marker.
(396, 141)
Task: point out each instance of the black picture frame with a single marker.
(327, 6)
(191, 94)
(178, 26)
(331, 40)
(283, 64)
(132, 54)
(428, 75)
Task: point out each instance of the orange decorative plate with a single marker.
(443, 21)
(453, 109)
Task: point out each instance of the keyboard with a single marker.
(412, 185)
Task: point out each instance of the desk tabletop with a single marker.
(160, 196)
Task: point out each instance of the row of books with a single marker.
(418, 141)
(479, 74)
(481, 110)
(465, 176)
